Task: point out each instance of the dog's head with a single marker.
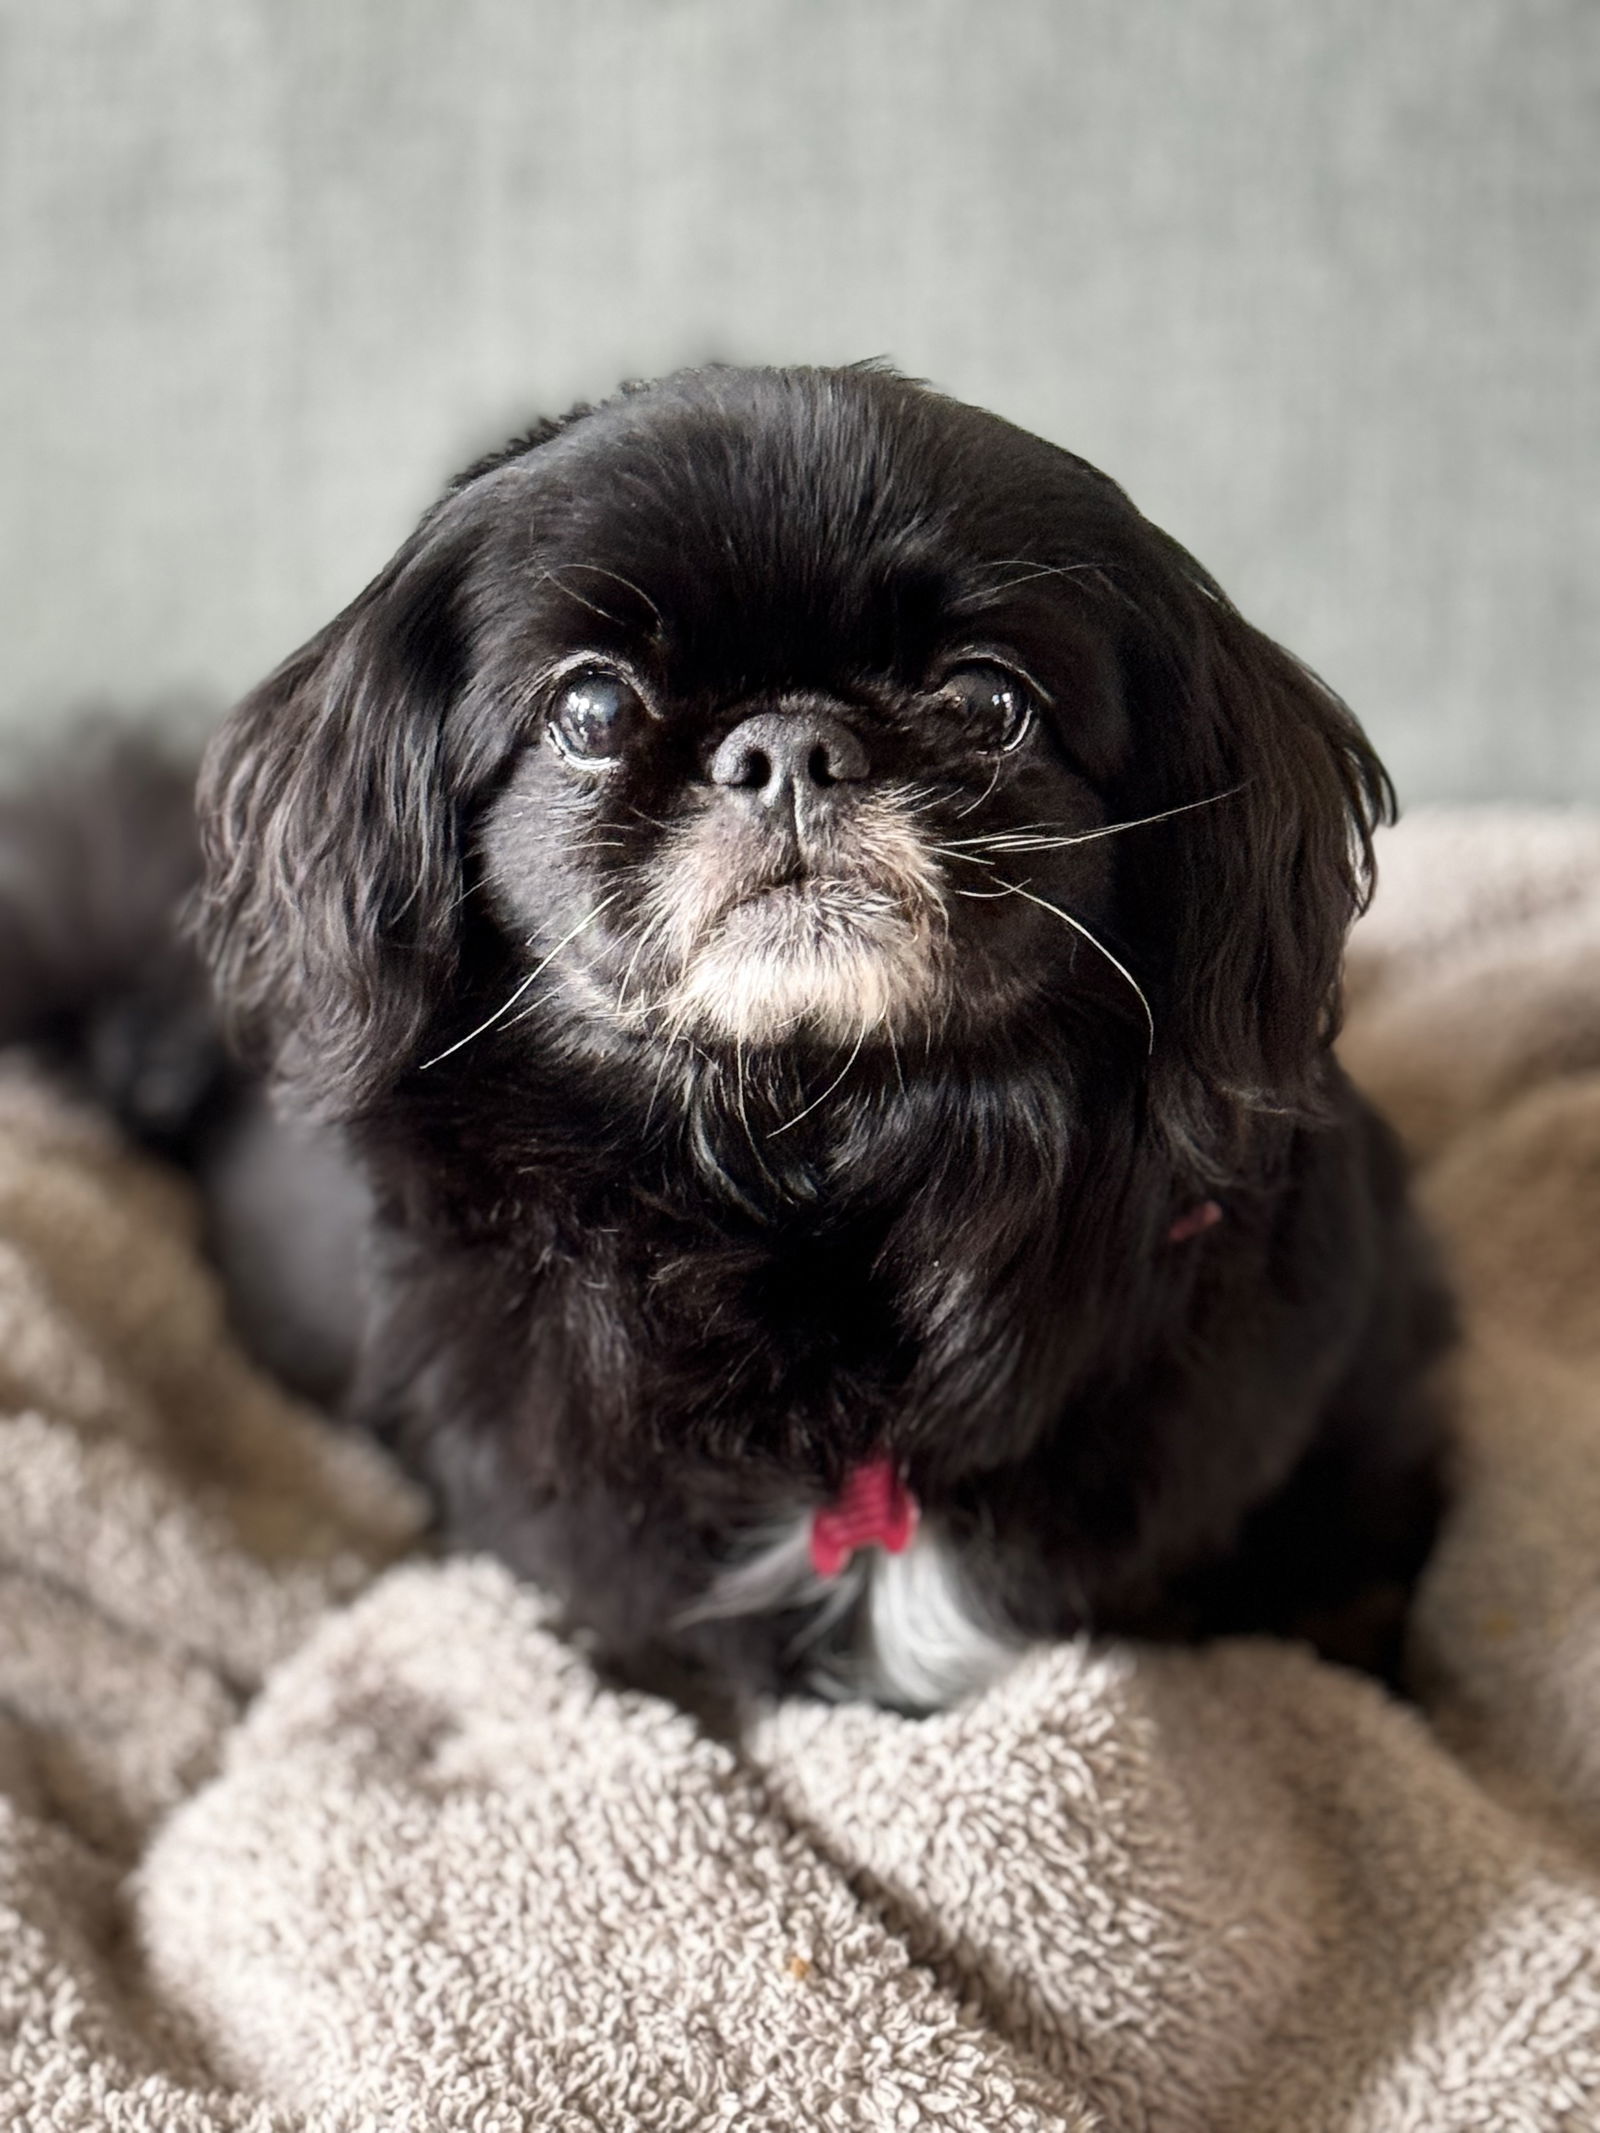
(791, 713)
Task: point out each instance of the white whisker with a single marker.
(647, 938)
(506, 1005)
(556, 577)
(973, 806)
(1031, 570)
(855, 1053)
(741, 1096)
(1080, 928)
(1038, 837)
(894, 1054)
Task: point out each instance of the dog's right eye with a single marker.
(593, 717)
(995, 704)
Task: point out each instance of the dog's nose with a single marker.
(787, 755)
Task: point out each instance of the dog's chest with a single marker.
(907, 1628)
(797, 1320)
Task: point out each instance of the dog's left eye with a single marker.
(593, 717)
(995, 706)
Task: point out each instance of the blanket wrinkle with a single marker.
(304, 1832)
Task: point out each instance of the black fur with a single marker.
(641, 1288)
(97, 854)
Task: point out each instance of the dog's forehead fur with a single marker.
(796, 527)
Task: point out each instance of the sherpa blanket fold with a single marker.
(302, 1828)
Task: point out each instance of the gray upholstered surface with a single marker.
(1316, 282)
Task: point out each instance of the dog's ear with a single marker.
(1252, 894)
(332, 861)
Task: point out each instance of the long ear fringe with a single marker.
(331, 868)
(1260, 889)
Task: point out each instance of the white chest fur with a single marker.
(920, 1638)
(925, 1640)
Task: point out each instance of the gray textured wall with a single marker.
(1317, 282)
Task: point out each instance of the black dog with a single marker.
(821, 929)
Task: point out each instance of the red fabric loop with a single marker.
(874, 1509)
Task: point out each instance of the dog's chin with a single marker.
(818, 960)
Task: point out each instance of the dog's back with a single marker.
(99, 980)
(98, 856)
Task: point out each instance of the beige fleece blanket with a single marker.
(301, 1829)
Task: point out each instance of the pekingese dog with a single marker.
(821, 927)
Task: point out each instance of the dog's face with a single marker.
(791, 714)
(780, 685)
